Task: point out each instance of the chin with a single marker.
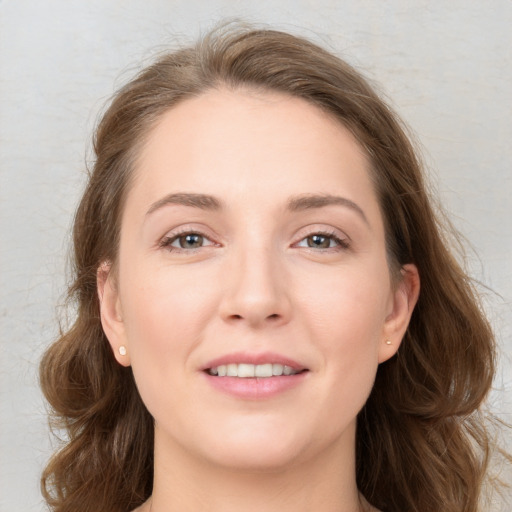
(251, 446)
(264, 447)
(254, 457)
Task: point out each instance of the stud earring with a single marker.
(388, 342)
(122, 350)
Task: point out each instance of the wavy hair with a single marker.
(422, 444)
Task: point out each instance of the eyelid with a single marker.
(172, 240)
(342, 238)
(173, 234)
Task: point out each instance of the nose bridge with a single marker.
(256, 290)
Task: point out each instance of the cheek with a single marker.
(348, 307)
(345, 317)
(164, 313)
(164, 310)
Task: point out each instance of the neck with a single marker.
(185, 483)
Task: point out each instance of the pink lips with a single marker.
(255, 388)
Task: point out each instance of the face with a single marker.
(252, 291)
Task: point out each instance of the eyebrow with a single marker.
(311, 201)
(295, 204)
(202, 201)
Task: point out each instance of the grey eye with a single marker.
(189, 241)
(323, 241)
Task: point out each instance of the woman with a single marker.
(250, 330)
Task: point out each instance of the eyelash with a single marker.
(166, 242)
(341, 243)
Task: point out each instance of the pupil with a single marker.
(191, 241)
(318, 241)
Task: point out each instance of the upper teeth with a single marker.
(252, 370)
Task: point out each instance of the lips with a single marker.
(254, 376)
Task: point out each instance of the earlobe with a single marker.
(405, 297)
(110, 313)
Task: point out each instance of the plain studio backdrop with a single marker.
(446, 67)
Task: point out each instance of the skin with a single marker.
(254, 285)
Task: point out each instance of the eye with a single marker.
(185, 241)
(323, 241)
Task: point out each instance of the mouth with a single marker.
(248, 371)
(254, 376)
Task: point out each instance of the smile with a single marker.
(245, 370)
(254, 376)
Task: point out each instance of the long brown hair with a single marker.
(422, 444)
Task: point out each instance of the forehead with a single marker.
(250, 144)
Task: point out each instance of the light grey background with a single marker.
(446, 65)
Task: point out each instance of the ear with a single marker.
(402, 305)
(110, 313)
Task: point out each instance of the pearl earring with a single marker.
(388, 342)
(122, 350)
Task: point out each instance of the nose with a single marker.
(255, 290)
